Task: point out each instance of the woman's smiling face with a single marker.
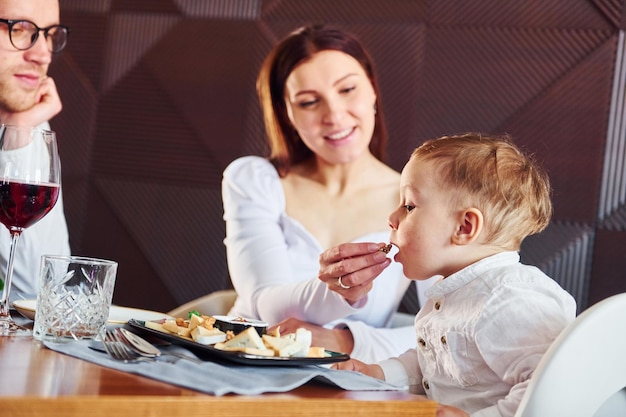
(330, 102)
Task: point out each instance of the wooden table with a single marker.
(36, 381)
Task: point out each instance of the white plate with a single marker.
(117, 314)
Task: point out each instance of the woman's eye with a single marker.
(408, 207)
(307, 103)
(347, 89)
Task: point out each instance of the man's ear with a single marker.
(469, 227)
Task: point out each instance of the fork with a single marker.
(145, 348)
(118, 349)
(121, 349)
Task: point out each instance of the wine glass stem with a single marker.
(5, 315)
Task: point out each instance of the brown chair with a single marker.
(214, 304)
(219, 303)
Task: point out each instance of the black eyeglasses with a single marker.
(24, 33)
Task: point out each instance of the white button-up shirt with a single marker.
(481, 335)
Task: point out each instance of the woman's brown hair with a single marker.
(285, 145)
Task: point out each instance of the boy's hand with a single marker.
(358, 366)
(449, 411)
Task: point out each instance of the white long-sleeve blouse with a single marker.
(273, 263)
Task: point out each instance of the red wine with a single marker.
(22, 205)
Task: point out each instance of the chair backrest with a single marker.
(215, 303)
(584, 366)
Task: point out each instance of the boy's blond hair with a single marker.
(491, 174)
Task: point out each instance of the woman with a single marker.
(323, 184)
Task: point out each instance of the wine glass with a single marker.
(30, 178)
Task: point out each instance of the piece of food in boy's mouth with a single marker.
(386, 248)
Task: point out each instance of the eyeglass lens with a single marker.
(24, 34)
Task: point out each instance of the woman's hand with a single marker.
(357, 264)
(338, 340)
(373, 370)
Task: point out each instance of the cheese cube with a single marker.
(205, 336)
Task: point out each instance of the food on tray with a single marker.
(247, 341)
(282, 345)
(156, 325)
(206, 336)
(386, 248)
(172, 327)
(238, 324)
(296, 344)
(197, 328)
(202, 329)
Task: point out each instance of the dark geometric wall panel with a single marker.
(159, 96)
(564, 252)
(552, 14)
(613, 190)
(565, 126)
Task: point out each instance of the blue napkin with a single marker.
(224, 378)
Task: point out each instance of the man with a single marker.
(30, 35)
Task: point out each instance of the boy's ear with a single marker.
(469, 228)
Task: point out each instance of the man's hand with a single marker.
(47, 105)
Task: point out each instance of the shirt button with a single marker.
(444, 340)
(426, 385)
(437, 305)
